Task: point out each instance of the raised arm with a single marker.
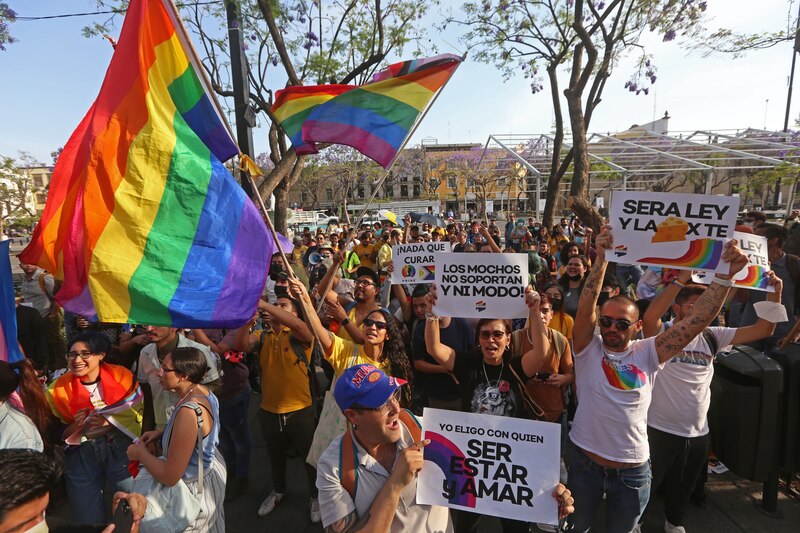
(762, 328)
(299, 328)
(704, 310)
(586, 316)
(311, 318)
(532, 359)
(488, 236)
(441, 352)
(651, 321)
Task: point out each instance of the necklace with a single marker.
(488, 383)
(93, 393)
(188, 393)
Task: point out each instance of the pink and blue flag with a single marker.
(9, 347)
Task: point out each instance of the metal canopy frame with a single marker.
(637, 159)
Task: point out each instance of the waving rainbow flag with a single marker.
(9, 347)
(377, 117)
(293, 105)
(143, 222)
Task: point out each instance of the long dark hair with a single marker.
(563, 252)
(395, 351)
(21, 376)
(564, 280)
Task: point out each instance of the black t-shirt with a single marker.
(487, 389)
(458, 336)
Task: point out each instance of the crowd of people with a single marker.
(621, 357)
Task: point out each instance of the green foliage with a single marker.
(16, 187)
(7, 16)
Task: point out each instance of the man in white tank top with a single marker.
(614, 375)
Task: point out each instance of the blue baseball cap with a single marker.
(366, 386)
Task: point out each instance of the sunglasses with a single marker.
(82, 355)
(494, 335)
(368, 323)
(621, 323)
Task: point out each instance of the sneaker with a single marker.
(669, 528)
(269, 504)
(316, 517)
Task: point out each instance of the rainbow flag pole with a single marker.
(388, 170)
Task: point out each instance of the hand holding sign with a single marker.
(733, 255)
(566, 503)
(776, 284)
(532, 298)
(604, 242)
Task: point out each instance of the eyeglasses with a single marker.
(368, 323)
(621, 323)
(166, 369)
(82, 355)
(494, 335)
(365, 283)
(385, 408)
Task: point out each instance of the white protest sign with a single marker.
(481, 285)
(683, 231)
(494, 465)
(414, 263)
(754, 275)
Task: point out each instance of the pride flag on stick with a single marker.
(143, 222)
(10, 351)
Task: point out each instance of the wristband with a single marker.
(770, 311)
(723, 282)
(431, 316)
(344, 322)
(678, 283)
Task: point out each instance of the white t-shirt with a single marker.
(335, 502)
(614, 392)
(682, 394)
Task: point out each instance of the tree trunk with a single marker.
(554, 179)
(579, 201)
(281, 193)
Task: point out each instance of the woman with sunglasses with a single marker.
(491, 381)
(84, 399)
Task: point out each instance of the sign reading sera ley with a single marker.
(684, 231)
(754, 275)
(495, 465)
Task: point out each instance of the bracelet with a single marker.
(431, 317)
(678, 283)
(344, 322)
(723, 282)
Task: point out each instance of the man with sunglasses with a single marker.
(609, 450)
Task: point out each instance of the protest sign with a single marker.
(754, 275)
(683, 231)
(494, 465)
(414, 263)
(481, 285)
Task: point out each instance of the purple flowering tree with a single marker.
(585, 39)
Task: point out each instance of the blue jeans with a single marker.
(235, 439)
(627, 492)
(87, 469)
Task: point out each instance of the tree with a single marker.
(7, 16)
(297, 42)
(16, 188)
(585, 39)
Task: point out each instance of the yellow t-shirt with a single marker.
(284, 379)
(345, 354)
(562, 323)
(365, 253)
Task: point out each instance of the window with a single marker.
(451, 182)
(416, 190)
(304, 197)
(38, 182)
(389, 191)
(404, 191)
(329, 195)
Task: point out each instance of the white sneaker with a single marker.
(269, 503)
(316, 517)
(669, 528)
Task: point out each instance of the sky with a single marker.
(51, 76)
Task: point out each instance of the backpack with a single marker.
(793, 266)
(348, 452)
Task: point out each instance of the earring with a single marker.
(508, 347)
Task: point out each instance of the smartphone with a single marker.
(543, 376)
(123, 518)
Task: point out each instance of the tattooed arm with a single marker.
(705, 309)
(651, 321)
(586, 317)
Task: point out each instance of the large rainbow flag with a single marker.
(143, 223)
(10, 351)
